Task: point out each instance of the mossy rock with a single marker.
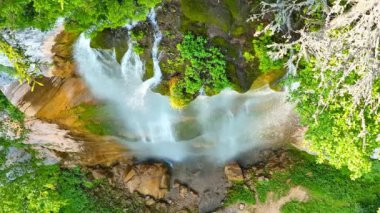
(229, 49)
(95, 119)
(232, 75)
(268, 78)
(148, 69)
(204, 11)
(109, 39)
(163, 88)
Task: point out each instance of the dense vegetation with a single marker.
(332, 137)
(90, 16)
(329, 189)
(260, 49)
(29, 185)
(205, 69)
(335, 67)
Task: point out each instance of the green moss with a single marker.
(239, 193)
(149, 72)
(138, 49)
(163, 88)
(104, 40)
(238, 31)
(138, 35)
(201, 11)
(234, 7)
(226, 47)
(232, 75)
(96, 119)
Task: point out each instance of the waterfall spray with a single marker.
(218, 127)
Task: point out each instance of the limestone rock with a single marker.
(148, 179)
(51, 136)
(233, 172)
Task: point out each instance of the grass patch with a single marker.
(239, 193)
(330, 190)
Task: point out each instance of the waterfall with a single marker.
(218, 127)
(155, 80)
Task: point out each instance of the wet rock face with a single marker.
(206, 179)
(62, 51)
(148, 179)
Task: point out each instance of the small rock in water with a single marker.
(233, 172)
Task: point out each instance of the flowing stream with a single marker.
(218, 127)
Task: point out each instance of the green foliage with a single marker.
(205, 67)
(138, 49)
(138, 35)
(20, 64)
(266, 64)
(11, 110)
(91, 15)
(334, 132)
(329, 189)
(248, 56)
(239, 193)
(44, 188)
(32, 192)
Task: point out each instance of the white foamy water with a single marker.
(219, 127)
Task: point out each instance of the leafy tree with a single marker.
(334, 56)
(205, 67)
(90, 15)
(333, 133)
(21, 66)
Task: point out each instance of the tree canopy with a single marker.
(333, 57)
(89, 15)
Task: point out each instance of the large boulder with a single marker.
(233, 172)
(148, 179)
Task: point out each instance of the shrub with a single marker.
(205, 67)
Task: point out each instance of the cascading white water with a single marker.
(219, 127)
